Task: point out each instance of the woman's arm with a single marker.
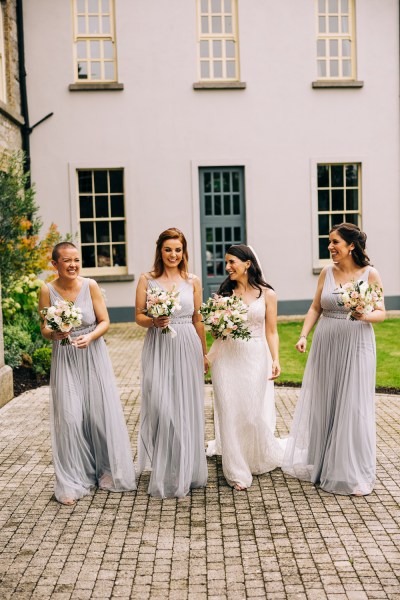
(102, 318)
(379, 314)
(44, 302)
(141, 306)
(271, 330)
(313, 314)
(197, 321)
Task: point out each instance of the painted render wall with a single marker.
(160, 130)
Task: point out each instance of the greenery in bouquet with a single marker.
(225, 317)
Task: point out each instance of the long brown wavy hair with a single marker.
(353, 235)
(170, 234)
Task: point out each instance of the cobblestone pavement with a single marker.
(282, 539)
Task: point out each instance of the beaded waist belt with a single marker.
(82, 330)
(181, 320)
(333, 314)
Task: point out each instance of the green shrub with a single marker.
(42, 361)
(16, 343)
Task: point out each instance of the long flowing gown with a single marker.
(89, 435)
(171, 439)
(244, 406)
(332, 439)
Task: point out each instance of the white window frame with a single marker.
(75, 217)
(319, 263)
(338, 38)
(222, 38)
(3, 79)
(87, 38)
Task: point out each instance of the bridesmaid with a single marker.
(171, 439)
(332, 439)
(89, 436)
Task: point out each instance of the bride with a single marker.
(242, 374)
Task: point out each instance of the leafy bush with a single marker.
(22, 297)
(17, 342)
(42, 361)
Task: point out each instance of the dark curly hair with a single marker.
(353, 235)
(256, 279)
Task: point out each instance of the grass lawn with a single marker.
(388, 353)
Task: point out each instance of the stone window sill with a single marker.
(325, 83)
(11, 114)
(317, 270)
(112, 278)
(219, 85)
(96, 87)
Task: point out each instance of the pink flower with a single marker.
(355, 295)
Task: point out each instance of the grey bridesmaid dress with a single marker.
(90, 440)
(332, 442)
(171, 438)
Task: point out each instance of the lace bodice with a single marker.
(256, 317)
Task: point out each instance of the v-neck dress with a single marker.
(90, 440)
(171, 439)
(332, 439)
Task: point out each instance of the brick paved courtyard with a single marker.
(283, 539)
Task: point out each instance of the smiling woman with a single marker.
(89, 436)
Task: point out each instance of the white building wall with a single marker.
(160, 130)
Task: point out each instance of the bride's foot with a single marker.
(67, 501)
(238, 487)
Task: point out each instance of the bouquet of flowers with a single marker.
(161, 303)
(360, 297)
(225, 316)
(62, 316)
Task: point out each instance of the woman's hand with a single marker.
(358, 316)
(161, 322)
(206, 364)
(276, 370)
(83, 341)
(59, 335)
(301, 345)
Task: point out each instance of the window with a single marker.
(335, 39)
(338, 191)
(95, 56)
(3, 89)
(218, 40)
(102, 220)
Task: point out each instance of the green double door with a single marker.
(223, 220)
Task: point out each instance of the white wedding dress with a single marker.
(244, 406)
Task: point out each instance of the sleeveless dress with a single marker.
(171, 439)
(332, 439)
(89, 436)
(244, 406)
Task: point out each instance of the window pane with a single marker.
(322, 24)
(323, 224)
(346, 68)
(81, 24)
(204, 24)
(333, 24)
(219, 268)
(81, 50)
(236, 204)
(323, 200)
(209, 235)
(216, 24)
(227, 205)
(337, 199)
(321, 68)
(217, 68)
(108, 49)
(346, 48)
(208, 205)
(321, 6)
(237, 232)
(345, 24)
(351, 199)
(85, 181)
(218, 238)
(321, 48)
(100, 182)
(333, 48)
(116, 181)
(333, 6)
(205, 69)
(334, 68)
(218, 250)
(235, 182)
(216, 6)
(345, 6)
(82, 70)
(106, 24)
(323, 176)
(118, 231)
(95, 70)
(226, 182)
(231, 69)
(217, 205)
(230, 49)
(228, 234)
(88, 257)
(95, 49)
(352, 219)
(217, 48)
(337, 176)
(103, 256)
(204, 50)
(101, 203)
(217, 182)
(323, 248)
(228, 25)
(87, 232)
(207, 182)
(119, 255)
(109, 72)
(103, 231)
(351, 175)
(105, 6)
(94, 26)
(204, 6)
(81, 6)
(117, 206)
(93, 6)
(86, 207)
(336, 219)
(228, 6)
